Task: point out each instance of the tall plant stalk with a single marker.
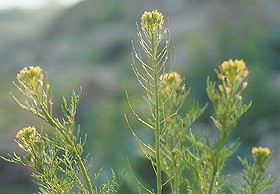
(157, 118)
(151, 34)
(165, 95)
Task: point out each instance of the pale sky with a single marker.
(31, 4)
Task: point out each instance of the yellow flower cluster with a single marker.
(26, 134)
(28, 137)
(151, 21)
(31, 75)
(171, 82)
(261, 158)
(233, 71)
(261, 151)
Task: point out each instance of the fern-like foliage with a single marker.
(57, 161)
(253, 180)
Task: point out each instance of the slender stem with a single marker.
(157, 145)
(176, 183)
(213, 178)
(176, 178)
(48, 117)
(212, 183)
(75, 154)
(157, 115)
(84, 172)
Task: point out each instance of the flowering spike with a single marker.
(27, 133)
(172, 82)
(261, 158)
(261, 151)
(233, 71)
(31, 76)
(151, 21)
(28, 138)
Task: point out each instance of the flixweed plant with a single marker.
(183, 161)
(57, 161)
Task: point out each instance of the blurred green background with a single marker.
(89, 45)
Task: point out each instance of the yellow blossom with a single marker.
(30, 140)
(26, 134)
(26, 73)
(261, 151)
(31, 76)
(171, 82)
(233, 71)
(262, 157)
(151, 21)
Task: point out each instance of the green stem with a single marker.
(157, 119)
(75, 154)
(84, 173)
(176, 184)
(176, 178)
(213, 179)
(47, 117)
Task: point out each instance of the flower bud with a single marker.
(233, 71)
(152, 21)
(26, 134)
(172, 83)
(31, 76)
(260, 151)
(261, 158)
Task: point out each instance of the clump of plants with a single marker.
(191, 163)
(183, 161)
(57, 160)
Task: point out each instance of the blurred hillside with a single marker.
(89, 45)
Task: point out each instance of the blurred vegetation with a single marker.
(89, 45)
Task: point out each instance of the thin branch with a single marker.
(138, 141)
(139, 119)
